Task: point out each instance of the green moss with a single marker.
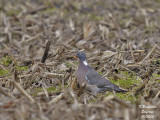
(6, 61)
(95, 17)
(39, 89)
(156, 62)
(3, 72)
(100, 73)
(92, 100)
(13, 12)
(68, 64)
(48, 10)
(157, 76)
(127, 80)
(35, 91)
(51, 89)
(125, 96)
(22, 68)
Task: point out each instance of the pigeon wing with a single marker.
(95, 78)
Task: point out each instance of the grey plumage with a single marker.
(87, 75)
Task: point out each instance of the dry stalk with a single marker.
(142, 86)
(50, 75)
(1, 66)
(5, 93)
(149, 54)
(132, 53)
(32, 38)
(133, 65)
(126, 114)
(59, 97)
(111, 97)
(73, 84)
(23, 91)
(45, 54)
(45, 91)
(158, 94)
(118, 60)
(18, 86)
(126, 68)
(135, 51)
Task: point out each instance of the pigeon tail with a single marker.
(116, 88)
(121, 90)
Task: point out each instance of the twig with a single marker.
(147, 74)
(50, 75)
(59, 97)
(142, 86)
(20, 88)
(154, 47)
(23, 91)
(1, 66)
(132, 52)
(111, 97)
(45, 91)
(5, 93)
(118, 60)
(156, 95)
(32, 38)
(73, 84)
(45, 55)
(126, 68)
(133, 65)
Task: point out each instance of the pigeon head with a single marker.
(81, 56)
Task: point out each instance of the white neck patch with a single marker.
(85, 63)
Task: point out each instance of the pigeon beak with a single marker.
(75, 57)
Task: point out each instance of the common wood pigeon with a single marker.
(95, 83)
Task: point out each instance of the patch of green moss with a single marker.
(156, 62)
(3, 72)
(95, 17)
(68, 64)
(127, 80)
(156, 76)
(51, 89)
(48, 10)
(37, 90)
(92, 100)
(13, 12)
(6, 61)
(22, 68)
(125, 96)
(100, 73)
